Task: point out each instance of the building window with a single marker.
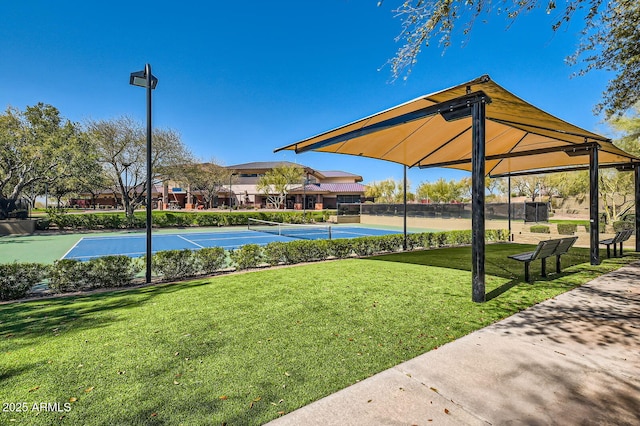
(348, 199)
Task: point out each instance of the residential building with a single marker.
(322, 190)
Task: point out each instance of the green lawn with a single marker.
(245, 348)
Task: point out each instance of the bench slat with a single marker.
(545, 249)
(522, 257)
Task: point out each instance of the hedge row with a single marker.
(17, 279)
(540, 229)
(103, 272)
(567, 228)
(602, 227)
(279, 253)
(163, 219)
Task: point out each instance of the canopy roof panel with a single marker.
(519, 136)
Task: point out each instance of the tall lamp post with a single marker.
(126, 185)
(149, 81)
(304, 195)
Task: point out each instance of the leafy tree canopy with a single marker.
(121, 147)
(277, 182)
(39, 147)
(388, 191)
(610, 37)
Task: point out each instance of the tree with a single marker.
(628, 126)
(388, 191)
(121, 148)
(207, 178)
(88, 176)
(442, 191)
(610, 38)
(494, 186)
(277, 182)
(39, 148)
(617, 188)
(568, 184)
(528, 186)
(616, 192)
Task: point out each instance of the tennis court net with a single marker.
(307, 232)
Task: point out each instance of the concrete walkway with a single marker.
(572, 360)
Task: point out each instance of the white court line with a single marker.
(252, 237)
(189, 241)
(74, 246)
(333, 235)
(93, 256)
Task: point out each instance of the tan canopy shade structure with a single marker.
(519, 136)
(480, 127)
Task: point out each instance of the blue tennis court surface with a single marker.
(135, 245)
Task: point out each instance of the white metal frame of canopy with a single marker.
(480, 127)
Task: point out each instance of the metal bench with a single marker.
(620, 237)
(545, 249)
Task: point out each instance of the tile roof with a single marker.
(337, 173)
(332, 188)
(264, 165)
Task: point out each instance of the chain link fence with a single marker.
(528, 211)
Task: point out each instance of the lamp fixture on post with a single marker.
(149, 81)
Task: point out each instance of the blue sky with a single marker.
(239, 79)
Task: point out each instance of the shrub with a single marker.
(497, 235)
(207, 219)
(275, 253)
(425, 240)
(57, 218)
(163, 219)
(455, 238)
(306, 251)
(43, 224)
(439, 239)
(602, 228)
(247, 256)
(211, 259)
(112, 271)
(137, 220)
(111, 221)
(540, 229)
(16, 279)
(413, 241)
(340, 249)
(621, 225)
(567, 228)
(69, 275)
(365, 246)
(390, 243)
(175, 264)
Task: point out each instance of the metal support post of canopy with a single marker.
(637, 181)
(477, 200)
(435, 130)
(594, 221)
(404, 215)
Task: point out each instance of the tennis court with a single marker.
(134, 245)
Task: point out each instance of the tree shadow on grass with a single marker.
(7, 373)
(497, 263)
(48, 317)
